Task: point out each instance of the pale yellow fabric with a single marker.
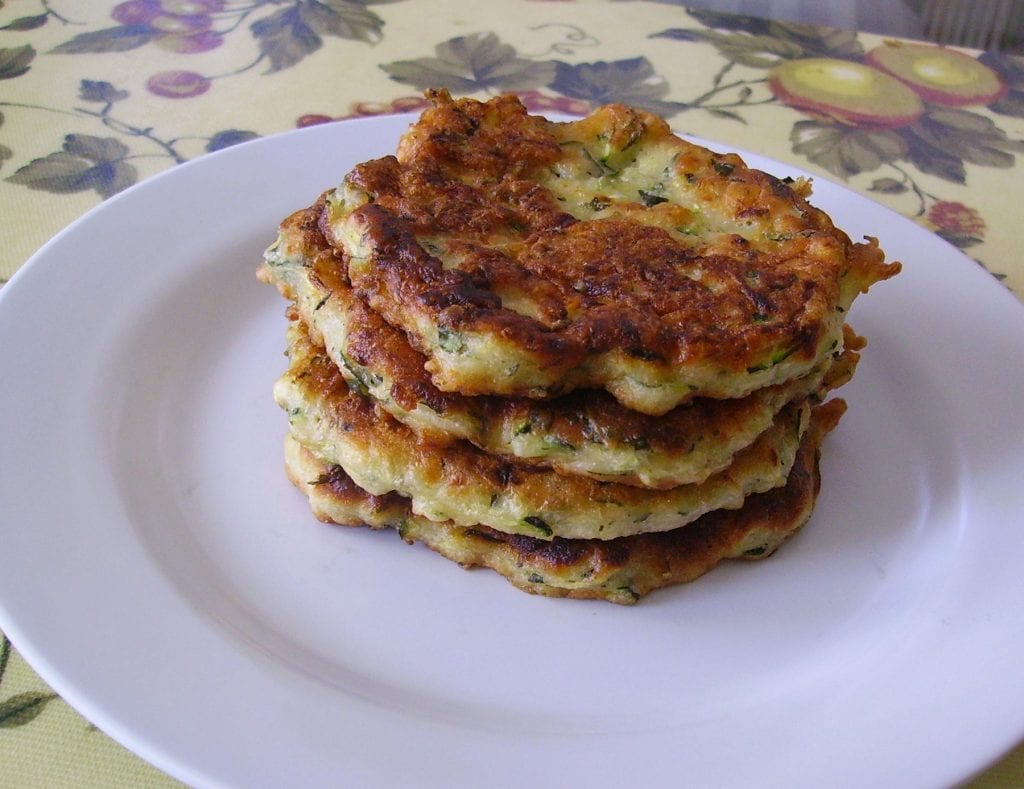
(711, 81)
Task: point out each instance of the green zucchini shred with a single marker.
(450, 341)
(539, 524)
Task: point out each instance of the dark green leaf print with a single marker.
(99, 91)
(26, 23)
(1012, 104)
(229, 137)
(95, 149)
(1011, 71)
(818, 41)
(755, 51)
(5, 153)
(935, 161)
(761, 43)
(23, 708)
(728, 115)
(961, 240)
(85, 163)
(968, 136)
(632, 81)
(63, 173)
(285, 38)
(888, 186)
(721, 21)
(5, 654)
(865, 150)
(14, 61)
(20, 708)
(58, 172)
(682, 34)
(846, 150)
(290, 34)
(945, 138)
(111, 39)
(466, 64)
(344, 19)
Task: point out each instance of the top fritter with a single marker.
(528, 257)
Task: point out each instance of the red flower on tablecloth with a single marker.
(959, 224)
(956, 219)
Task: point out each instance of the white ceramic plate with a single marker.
(161, 574)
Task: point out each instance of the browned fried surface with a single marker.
(586, 432)
(619, 570)
(466, 219)
(473, 312)
(461, 483)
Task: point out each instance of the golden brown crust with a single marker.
(620, 570)
(468, 222)
(461, 303)
(586, 432)
(461, 483)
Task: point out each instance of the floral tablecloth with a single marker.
(97, 96)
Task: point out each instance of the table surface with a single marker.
(96, 97)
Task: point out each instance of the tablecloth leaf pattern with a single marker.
(15, 61)
(103, 164)
(19, 708)
(1011, 72)
(919, 163)
(467, 64)
(26, 22)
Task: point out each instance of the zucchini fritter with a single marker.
(589, 355)
(461, 483)
(586, 432)
(530, 258)
(620, 570)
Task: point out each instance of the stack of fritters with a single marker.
(589, 355)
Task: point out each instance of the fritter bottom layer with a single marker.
(620, 570)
